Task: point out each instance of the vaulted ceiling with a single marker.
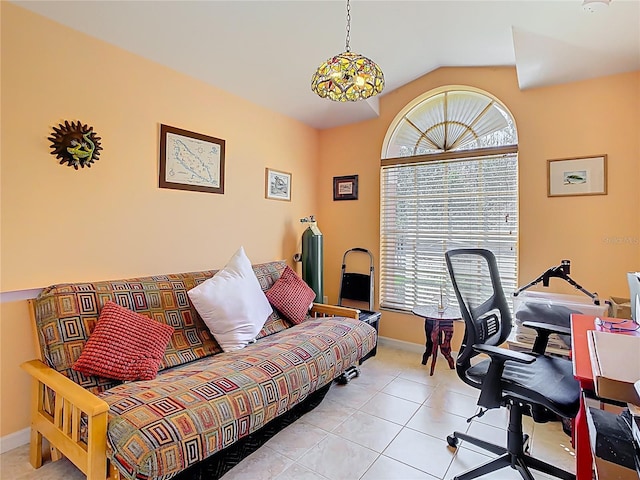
(266, 51)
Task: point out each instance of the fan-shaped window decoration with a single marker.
(449, 178)
(450, 121)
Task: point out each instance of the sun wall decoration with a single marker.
(75, 144)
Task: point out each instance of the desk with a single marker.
(580, 325)
(435, 323)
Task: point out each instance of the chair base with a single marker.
(523, 462)
(513, 456)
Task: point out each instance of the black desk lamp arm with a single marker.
(561, 271)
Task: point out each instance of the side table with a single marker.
(438, 329)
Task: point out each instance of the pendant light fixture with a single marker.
(348, 76)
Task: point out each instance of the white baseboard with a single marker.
(401, 345)
(14, 440)
(407, 346)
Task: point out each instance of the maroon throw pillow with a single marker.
(291, 296)
(124, 345)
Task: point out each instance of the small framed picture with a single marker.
(577, 176)
(277, 185)
(345, 188)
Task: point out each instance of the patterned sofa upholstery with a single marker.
(202, 400)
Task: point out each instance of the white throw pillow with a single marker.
(232, 304)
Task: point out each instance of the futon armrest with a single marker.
(543, 330)
(491, 391)
(502, 354)
(321, 309)
(58, 418)
(82, 398)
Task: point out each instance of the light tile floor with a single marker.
(390, 423)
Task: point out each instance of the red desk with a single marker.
(580, 325)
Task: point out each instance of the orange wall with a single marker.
(599, 234)
(112, 220)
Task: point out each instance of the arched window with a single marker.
(449, 179)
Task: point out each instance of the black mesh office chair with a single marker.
(525, 383)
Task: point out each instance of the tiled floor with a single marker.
(388, 424)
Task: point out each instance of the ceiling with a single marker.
(266, 51)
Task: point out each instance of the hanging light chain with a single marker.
(347, 48)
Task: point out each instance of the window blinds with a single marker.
(431, 206)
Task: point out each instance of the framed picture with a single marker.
(577, 176)
(277, 185)
(345, 188)
(191, 161)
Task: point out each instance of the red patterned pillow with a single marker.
(124, 345)
(291, 296)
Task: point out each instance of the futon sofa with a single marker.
(203, 400)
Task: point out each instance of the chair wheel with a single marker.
(452, 441)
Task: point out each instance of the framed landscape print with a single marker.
(191, 161)
(577, 176)
(277, 185)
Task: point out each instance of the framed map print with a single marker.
(191, 161)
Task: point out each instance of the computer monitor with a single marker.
(634, 291)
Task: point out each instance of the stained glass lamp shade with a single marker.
(348, 77)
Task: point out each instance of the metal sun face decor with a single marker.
(75, 144)
(348, 76)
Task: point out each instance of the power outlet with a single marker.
(325, 299)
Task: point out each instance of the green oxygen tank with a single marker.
(312, 257)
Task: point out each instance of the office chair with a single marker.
(524, 383)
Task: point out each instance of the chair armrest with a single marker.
(502, 354)
(543, 330)
(491, 391)
(549, 327)
(321, 309)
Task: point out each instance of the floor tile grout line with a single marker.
(403, 463)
